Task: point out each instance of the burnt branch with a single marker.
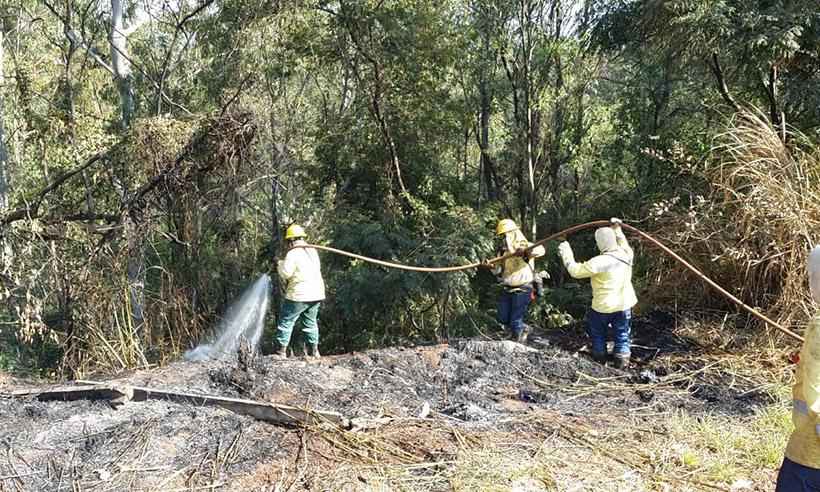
(230, 136)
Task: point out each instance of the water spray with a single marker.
(244, 320)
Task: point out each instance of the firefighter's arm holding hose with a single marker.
(525, 253)
(621, 238)
(286, 268)
(575, 269)
(531, 252)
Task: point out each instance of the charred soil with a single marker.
(423, 413)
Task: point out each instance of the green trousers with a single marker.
(306, 314)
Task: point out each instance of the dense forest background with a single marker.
(152, 152)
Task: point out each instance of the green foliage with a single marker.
(396, 129)
(397, 306)
(34, 359)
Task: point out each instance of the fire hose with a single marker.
(564, 233)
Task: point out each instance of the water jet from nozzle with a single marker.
(244, 320)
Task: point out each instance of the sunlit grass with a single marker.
(726, 448)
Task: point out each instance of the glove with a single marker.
(616, 222)
(522, 252)
(485, 264)
(564, 250)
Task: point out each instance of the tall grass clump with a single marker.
(752, 226)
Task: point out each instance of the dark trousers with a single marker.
(598, 325)
(797, 478)
(512, 307)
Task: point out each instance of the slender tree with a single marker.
(5, 251)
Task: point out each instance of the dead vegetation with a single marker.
(473, 415)
(752, 229)
(150, 205)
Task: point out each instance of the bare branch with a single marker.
(180, 26)
(194, 13)
(33, 210)
(721, 81)
(75, 38)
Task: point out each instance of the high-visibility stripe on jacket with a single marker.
(610, 274)
(804, 444)
(301, 271)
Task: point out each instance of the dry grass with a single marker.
(678, 452)
(724, 450)
(753, 230)
(610, 452)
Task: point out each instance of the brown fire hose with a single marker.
(564, 233)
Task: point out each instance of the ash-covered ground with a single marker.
(472, 386)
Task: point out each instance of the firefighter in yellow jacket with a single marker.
(612, 293)
(801, 466)
(516, 274)
(301, 272)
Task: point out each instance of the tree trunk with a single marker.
(4, 154)
(379, 112)
(6, 253)
(136, 273)
(525, 117)
(771, 93)
(5, 247)
(530, 170)
(275, 237)
(122, 76)
(120, 63)
(487, 168)
(528, 104)
(717, 71)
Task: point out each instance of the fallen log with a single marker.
(268, 412)
(120, 393)
(111, 392)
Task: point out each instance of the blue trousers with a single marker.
(598, 325)
(512, 307)
(797, 478)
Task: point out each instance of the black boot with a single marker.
(621, 361)
(523, 334)
(509, 334)
(281, 352)
(599, 358)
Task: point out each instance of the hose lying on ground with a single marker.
(564, 233)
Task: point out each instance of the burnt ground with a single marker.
(432, 405)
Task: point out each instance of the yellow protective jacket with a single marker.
(610, 274)
(514, 271)
(301, 273)
(804, 444)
